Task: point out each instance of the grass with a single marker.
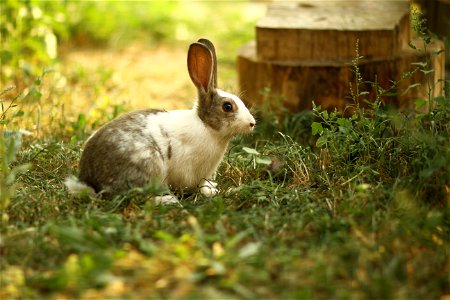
(312, 205)
(316, 227)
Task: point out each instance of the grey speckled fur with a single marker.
(115, 172)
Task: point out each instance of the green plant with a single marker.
(255, 157)
(10, 144)
(29, 37)
(6, 106)
(376, 142)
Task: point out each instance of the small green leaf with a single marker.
(343, 122)
(412, 46)
(249, 250)
(440, 100)
(81, 121)
(236, 239)
(410, 87)
(420, 103)
(263, 160)
(316, 128)
(420, 64)
(427, 71)
(19, 113)
(250, 150)
(321, 141)
(164, 236)
(437, 53)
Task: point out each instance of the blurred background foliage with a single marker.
(34, 33)
(100, 58)
(29, 35)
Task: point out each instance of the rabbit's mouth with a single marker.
(251, 122)
(246, 127)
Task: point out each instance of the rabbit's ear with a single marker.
(211, 48)
(200, 66)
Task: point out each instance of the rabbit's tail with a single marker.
(77, 188)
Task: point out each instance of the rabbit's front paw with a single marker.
(166, 199)
(209, 188)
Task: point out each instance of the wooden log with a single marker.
(328, 30)
(437, 13)
(295, 84)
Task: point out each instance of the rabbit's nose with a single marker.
(252, 124)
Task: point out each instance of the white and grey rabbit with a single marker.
(181, 148)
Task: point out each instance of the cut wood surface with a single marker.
(296, 84)
(324, 30)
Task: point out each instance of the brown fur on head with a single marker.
(215, 108)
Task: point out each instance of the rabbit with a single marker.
(180, 148)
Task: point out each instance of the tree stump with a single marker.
(437, 13)
(304, 50)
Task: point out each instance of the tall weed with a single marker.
(379, 143)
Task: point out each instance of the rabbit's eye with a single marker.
(227, 107)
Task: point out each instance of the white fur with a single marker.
(209, 188)
(166, 199)
(76, 187)
(244, 117)
(196, 150)
(239, 102)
